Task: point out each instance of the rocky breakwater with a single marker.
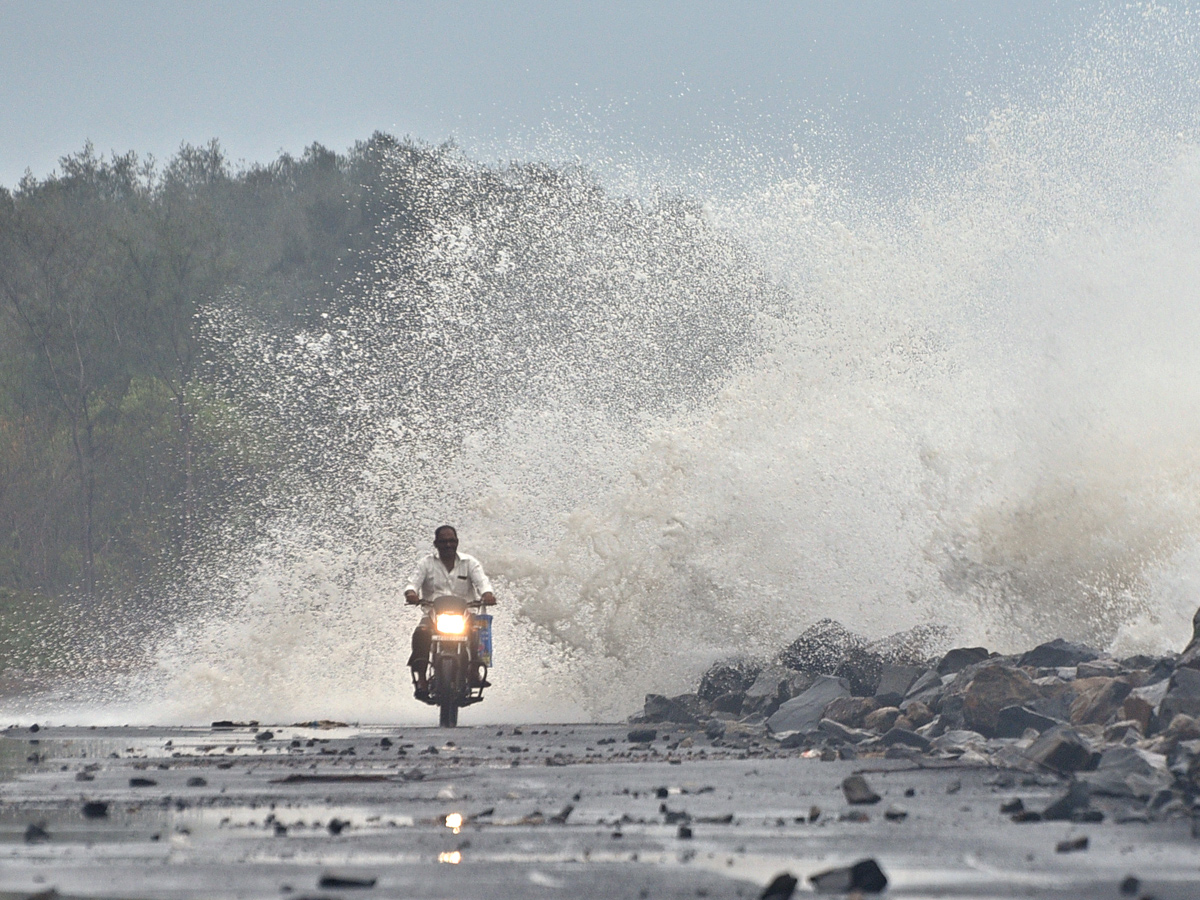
(1122, 736)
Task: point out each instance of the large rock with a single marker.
(894, 682)
(915, 647)
(1097, 700)
(992, 689)
(679, 709)
(773, 686)
(1057, 653)
(1063, 750)
(862, 669)
(727, 677)
(803, 713)
(959, 658)
(1190, 658)
(1182, 696)
(821, 647)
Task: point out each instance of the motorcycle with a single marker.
(461, 638)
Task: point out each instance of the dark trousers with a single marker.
(422, 637)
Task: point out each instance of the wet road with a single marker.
(537, 811)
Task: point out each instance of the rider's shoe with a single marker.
(421, 688)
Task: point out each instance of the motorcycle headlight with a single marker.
(451, 623)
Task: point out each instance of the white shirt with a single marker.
(431, 579)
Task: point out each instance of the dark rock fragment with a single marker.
(1057, 654)
(895, 814)
(685, 832)
(142, 782)
(95, 809)
(36, 833)
(959, 658)
(865, 875)
(1130, 886)
(1071, 845)
(782, 887)
(336, 826)
(1011, 807)
(197, 781)
(265, 736)
(857, 791)
(1077, 798)
(329, 880)
(642, 735)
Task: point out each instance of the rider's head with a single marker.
(445, 539)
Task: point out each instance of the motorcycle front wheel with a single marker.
(449, 690)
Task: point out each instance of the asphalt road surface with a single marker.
(543, 811)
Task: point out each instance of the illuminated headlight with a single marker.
(451, 623)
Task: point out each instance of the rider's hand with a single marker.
(488, 599)
(411, 598)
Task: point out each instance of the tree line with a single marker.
(118, 454)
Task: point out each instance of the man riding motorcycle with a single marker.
(445, 571)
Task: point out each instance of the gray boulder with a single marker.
(803, 713)
(1063, 750)
(1057, 652)
(894, 682)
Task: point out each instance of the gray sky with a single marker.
(498, 77)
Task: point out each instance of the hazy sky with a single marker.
(498, 77)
